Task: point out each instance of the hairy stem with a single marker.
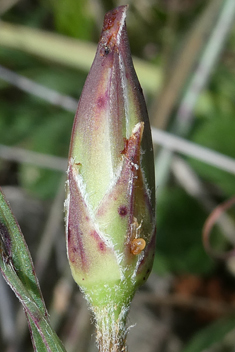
(111, 329)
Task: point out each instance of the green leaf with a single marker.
(37, 340)
(39, 323)
(18, 271)
(17, 252)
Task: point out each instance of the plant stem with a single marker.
(111, 329)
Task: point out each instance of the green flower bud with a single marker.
(110, 205)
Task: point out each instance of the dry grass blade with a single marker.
(207, 60)
(210, 222)
(40, 91)
(171, 91)
(169, 141)
(176, 144)
(66, 51)
(26, 156)
(205, 66)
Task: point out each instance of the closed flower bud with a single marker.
(110, 205)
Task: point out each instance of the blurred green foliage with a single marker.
(158, 31)
(72, 18)
(183, 246)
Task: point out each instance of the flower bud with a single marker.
(110, 205)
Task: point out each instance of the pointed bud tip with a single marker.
(114, 22)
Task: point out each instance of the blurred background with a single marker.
(184, 53)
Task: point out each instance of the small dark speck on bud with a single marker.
(106, 50)
(122, 210)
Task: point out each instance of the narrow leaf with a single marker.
(35, 317)
(16, 252)
(17, 269)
